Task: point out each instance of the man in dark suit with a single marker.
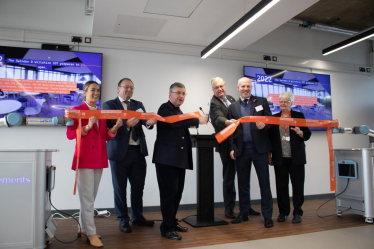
(218, 113)
(172, 156)
(126, 154)
(251, 143)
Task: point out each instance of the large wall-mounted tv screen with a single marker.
(312, 91)
(43, 83)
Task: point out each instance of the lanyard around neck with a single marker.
(285, 126)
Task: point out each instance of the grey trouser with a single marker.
(88, 185)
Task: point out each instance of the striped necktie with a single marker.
(226, 102)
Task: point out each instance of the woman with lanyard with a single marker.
(92, 159)
(289, 159)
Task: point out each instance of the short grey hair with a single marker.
(245, 78)
(287, 95)
(217, 79)
(175, 85)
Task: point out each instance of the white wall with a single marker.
(153, 73)
(67, 16)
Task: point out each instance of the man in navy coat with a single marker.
(251, 143)
(126, 154)
(172, 156)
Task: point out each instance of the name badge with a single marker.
(286, 138)
(259, 108)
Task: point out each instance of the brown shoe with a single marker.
(94, 241)
(84, 233)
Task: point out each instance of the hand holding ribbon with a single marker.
(297, 122)
(94, 115)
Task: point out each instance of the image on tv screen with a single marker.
(43, 83)
(312, 91)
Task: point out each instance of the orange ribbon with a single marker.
(124, 114)
(115, 114)
(229, 130)
(79, 134)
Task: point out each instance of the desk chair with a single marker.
(47, 101)
(35, 110)
(68, 98)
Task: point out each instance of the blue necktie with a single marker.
(245, 102)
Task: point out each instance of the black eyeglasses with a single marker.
(180, 93)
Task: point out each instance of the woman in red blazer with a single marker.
(289, 159)
(92, 159)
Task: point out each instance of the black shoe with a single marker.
(172, 235)
(144, 223)
(125, 227)
(230, 214)
(253, 212)
(297, 219)
(282, 218)
(179, 228)
(239, 219)
(268, 223)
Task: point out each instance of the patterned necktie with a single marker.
(134, 136)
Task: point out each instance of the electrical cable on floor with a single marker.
(332, 199)
(76, 215)
(80, 231)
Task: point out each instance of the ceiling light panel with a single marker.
(178, 8)
(140, 26)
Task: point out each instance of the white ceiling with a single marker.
(176, 8)
(192, 22)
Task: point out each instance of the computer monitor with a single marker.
(347, 169)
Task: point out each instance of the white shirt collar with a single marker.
(244, 99)
(121, 99)
(91, 107)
